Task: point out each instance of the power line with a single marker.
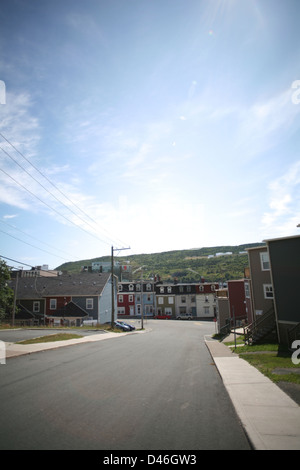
(34, 238)
(45, 189)
(25, 264)
(43, 202)
(44, 176)
(29, 244)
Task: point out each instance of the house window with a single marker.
(206, 310)
(265, 261)
(120, 299)
(160, 300)
(89, 304)
(183, 300)
(161, 290)
(169, 289)
(138, 287)
(130, 298)
(138, 298)
(201, 288)
(149, 298)
(170, 300)
(148, 287)
(120, 287)
(36, 307)
(131, 287)
(268, 291)
(247, 290)
(52, 304)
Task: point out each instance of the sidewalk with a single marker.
(14, 349)
(271, 419)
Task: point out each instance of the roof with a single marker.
(281, 238)
(83, 284)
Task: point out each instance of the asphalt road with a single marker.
(157, 390)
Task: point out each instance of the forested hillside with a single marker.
(183, 265)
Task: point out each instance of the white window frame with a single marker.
(89, 303)
(120, 299)
(53, 304)
(265, 261)
(130, 298)
(268, 291)
(36, 306)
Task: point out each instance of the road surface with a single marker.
(144, 391)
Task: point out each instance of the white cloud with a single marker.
(284, 203)
(10, 216)
(265, 123)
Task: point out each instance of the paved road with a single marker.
(157, 390)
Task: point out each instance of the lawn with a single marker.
(273, 360)
(50, 338)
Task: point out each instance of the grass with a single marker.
(50, 338)
(267, 358)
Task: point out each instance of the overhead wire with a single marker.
(52, 208)
(49, 181)
(45, 190)
(34, 238)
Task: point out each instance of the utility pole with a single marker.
(113, 284)
(15, 300)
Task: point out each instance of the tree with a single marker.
(6, 293)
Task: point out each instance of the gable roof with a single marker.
(83, 284)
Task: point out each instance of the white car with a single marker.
(184, 317)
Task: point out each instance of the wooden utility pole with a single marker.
(15, 299)
(113, 284)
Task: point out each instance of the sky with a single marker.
(147, 125)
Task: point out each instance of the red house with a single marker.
(237, 300)
(126, 299)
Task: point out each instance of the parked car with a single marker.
(89, 323)
(131, 327)
(184, 317)
(121, 326)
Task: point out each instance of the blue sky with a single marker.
(150, 124)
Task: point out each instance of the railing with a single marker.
(264, 323)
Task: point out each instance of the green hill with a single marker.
(211, 263)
